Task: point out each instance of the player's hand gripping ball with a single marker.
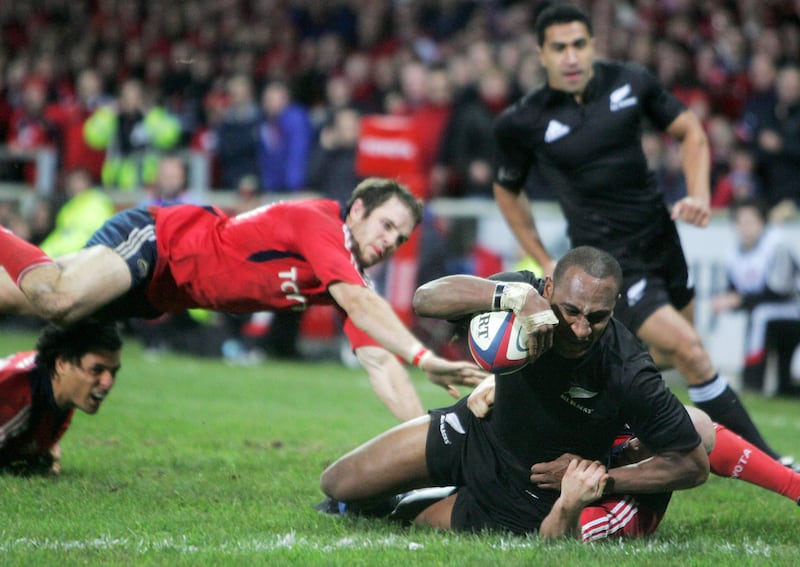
(497, 342)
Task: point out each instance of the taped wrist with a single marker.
(531, 323)
(512, 296)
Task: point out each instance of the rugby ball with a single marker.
(497, 342)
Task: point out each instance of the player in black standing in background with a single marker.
(582, 129)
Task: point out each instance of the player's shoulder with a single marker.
(635, 74)
(625, 351)
(625, 69)
(291, 210)
(319, 213)
(15, 372)
(525, 109)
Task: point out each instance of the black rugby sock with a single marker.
(723, 406)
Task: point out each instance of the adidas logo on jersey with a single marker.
(620, 98)
(555, 130)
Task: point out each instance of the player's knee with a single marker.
(690, 354)
(54, 307)
(333, 482)
(704, 426)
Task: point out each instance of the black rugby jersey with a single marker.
(591, 153)
(557, 405)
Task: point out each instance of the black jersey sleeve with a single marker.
(659, 105)
(656, 416)
(512, 160)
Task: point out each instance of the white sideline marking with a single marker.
(291, 540)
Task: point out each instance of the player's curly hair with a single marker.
(72, 342)
(374, 191)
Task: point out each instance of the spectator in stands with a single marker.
(764, 280)
(170, 186)
(30, 128)
(468, 144)
(285, 140)
(191, 79)
(761, 99)
(332, 169)
(740, 183)
(70, 116)
(133, 132)
(363, 91)
(249, 195)
(778, 141)
(236, 146)
(85, 210)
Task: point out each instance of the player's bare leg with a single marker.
(75, 285)
(12, 300)
(674, 340)
(391, 463)
(438, 515)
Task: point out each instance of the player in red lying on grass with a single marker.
(284, 256)
(72, 367)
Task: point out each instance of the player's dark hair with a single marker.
(374, 191)
(72, 342)
(759, 205)
(595, 262)
(560, 13)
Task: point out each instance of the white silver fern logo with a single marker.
(578, 393)
(619, 98)
(452, 420)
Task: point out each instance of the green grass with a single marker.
(197, 463)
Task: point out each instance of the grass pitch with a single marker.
(192, 462)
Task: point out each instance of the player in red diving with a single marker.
(288, 255)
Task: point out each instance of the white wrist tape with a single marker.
(513, 296)
(531, 323)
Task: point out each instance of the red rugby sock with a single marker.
(17, 256)
(733, 457)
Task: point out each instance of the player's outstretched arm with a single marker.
(516, 209)
(390, 382)
(453, 297)
(372, 314)
(695, 208)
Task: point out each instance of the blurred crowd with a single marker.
(274, 92)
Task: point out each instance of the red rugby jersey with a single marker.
(277, 257)
(29, 426)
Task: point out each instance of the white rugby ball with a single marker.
(497, 342)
